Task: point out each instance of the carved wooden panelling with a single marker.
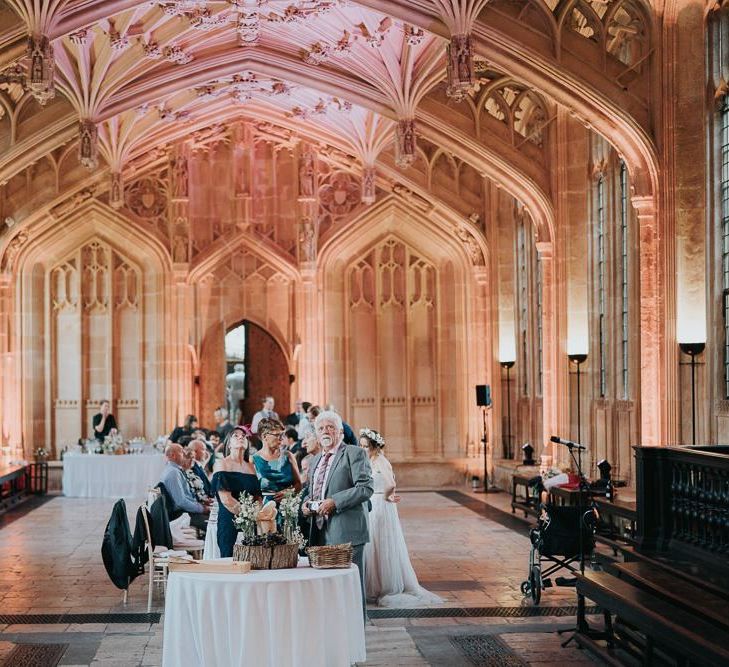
(392, 298)
(96, 345)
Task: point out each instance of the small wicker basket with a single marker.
(330, 556)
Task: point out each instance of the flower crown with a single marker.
(372, 435)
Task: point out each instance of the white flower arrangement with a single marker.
(372, 435)
(289, 510)
(196, 484)
(113, 443)
(247, 514)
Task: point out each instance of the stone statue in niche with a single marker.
(405, 143)
(179, 249)
(116, 193)
(41, 67)
(88, 144)
(307, 175)
(460, 67)
(307, 240)
(179, 176)
(11, 252)
(369, 191)
(235, 390)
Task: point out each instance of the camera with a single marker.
(314, 505)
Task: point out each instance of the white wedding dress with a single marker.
(389, 576)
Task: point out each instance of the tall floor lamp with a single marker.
(508, 365)
(578, 359)
(692, 349)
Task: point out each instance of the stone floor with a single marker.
(471, 553)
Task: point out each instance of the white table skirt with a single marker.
(111, 476)
(293, 618)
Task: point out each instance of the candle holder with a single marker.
(508, 450)
(692, 349)
(578, 360)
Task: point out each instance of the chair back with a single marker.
(148, 534)
(172, 511)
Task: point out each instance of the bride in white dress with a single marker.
(389, 576)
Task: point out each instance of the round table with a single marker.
(298, 617)
(111, 476)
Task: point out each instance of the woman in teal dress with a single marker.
(276, 467)
(233, 476)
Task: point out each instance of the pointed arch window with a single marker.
(538, 288)
(523, 296)
(724, 226)
(624, 283)
(600, 275)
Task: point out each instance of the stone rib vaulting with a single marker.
(403, 195)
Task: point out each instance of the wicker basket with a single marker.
(259, 557)
(330, 556)
(284, 556)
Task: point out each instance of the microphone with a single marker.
(567, 443)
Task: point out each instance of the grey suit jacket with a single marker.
(349, 485)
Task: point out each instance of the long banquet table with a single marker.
(297, 617)
(111, 476)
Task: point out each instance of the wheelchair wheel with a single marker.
(525, 587)
(535, 583)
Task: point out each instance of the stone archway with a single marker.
(267, 371)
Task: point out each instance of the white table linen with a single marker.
(212, 551)
(111, 476)
(297, 617)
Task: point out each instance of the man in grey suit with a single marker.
(340, 484)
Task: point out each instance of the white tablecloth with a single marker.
(111, 476)
(289, 618)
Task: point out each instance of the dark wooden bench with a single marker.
(667, 629)
(522, 497)
(13, 485)
(680, 592)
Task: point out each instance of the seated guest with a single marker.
(291, 440)
(104, 421)
(233, 476)
(222, 423)
(266, 412)
(312, 413)
(175, 481)
(198, 454)
(195, 483)
(275, 467)
(186, 429)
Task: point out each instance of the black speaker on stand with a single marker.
(483, 400)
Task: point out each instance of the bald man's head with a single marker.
(197, 450)
(175, 453)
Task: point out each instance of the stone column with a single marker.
(552, 380)
(242, 175)
(653, 390)
(311, 357)
(182, 323)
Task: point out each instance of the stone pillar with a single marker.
(243, 156)
(311, 358)
(482, 371)
(10, 431)
(553, 389)
(653, 402)
(182, 321)
(310, 379)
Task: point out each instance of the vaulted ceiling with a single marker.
(483, 81)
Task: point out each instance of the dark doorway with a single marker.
(265, 368)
